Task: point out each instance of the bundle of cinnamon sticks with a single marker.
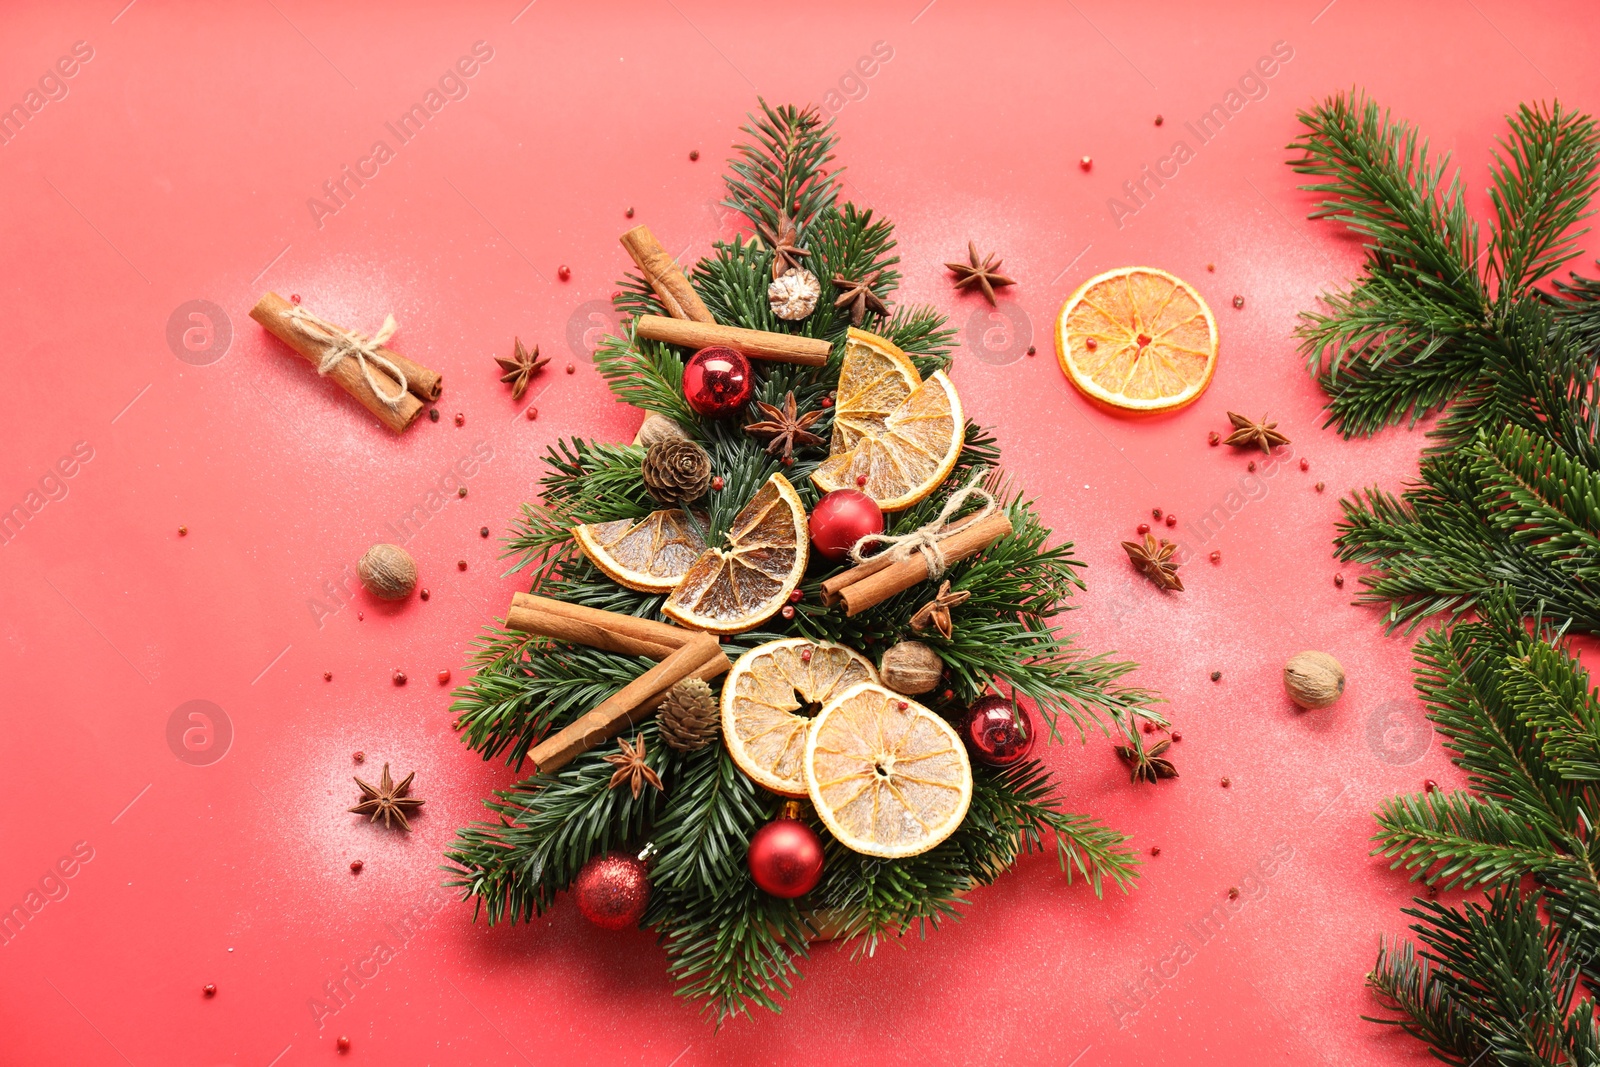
(881, 577)
(682, 654)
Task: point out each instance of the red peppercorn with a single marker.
(483, 531)
(461, 420)
(1238, 301)
(359, 757)
(1338, 579)
(424, 594)
(294, 298)
(462, 491)
(694, 154)
(1226, 783)
(1090, 343)
(1250, 466)
(1085, 162)
(717, 483)
(355, 866)
(444, 676)
(1032, 350)
(629, 213)
(787, 461)
(532, 413)
(1429, 785)
(1155, 850)
(183, 531)
(461, 564)
(343, 1044)
(1216, 557)
(1159, 120)
(1172, 520)
(327, 676)
(1212, 267)
(861, 479)
(209, 990)
(1144, 528)
(1213, 439)
(399, 677)
(805, 655)
(827, 401)
(1216, 676)
(949, 694)
(433, 414)
(1155, 513)
(901, 704)
(571, 369)
(1176, 737)
(1149, 727)
(361, 615)
(563, 272)
(1320, 486)
(1233, 893)
(788, 611)
(795, 596)
(1305, 464)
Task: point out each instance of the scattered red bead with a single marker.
(355, 866)
(424, 594)
(629, 213)
(343, 1044)
(483, 531)
(1176, 737)
(1213, 439)
(827, 401)
(444, 676)
(462, 491)
(294, 298)
(1090, 343)
(1238, 301)
(1155, 513)
(1143, 528)
(1085, 162)
(1212, 267)
(787, 461)
(1320, 486)
(461, 564)
(433, 414)
(461, 420)
(901, 704)
(532, 413)
(1305, 464)
(183, 531)
(1172, 520)
(1429, 785)
(399, 677)
(1250, 466)
(717, 483)
(1216, 557)
(327, 676)
(1155, 850)
(1216, 676)
(1149, 727)
(571, 369)
(1159, 120)
(359, 757)
(209, 990)
(563, 272)
(795, 596)
(805, 655)
(1233, 893)
(861, 479)
(1338, 579)
(361, 615)
(788, 611)
(949, 694)
(694, 154)
(1032, 350)
(1226, 782)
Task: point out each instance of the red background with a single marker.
(179, 166)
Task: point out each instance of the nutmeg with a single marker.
(657, 429)
(1313, 679)
(793, 295)
(388, 572)
(911, 667)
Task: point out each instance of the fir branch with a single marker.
(646, 374)
(783, 167)
(1410, 986)
(1543, 181)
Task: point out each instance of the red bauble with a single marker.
(612, 890)
(717, 382)
(997, 733)
(786, 858)
(842, 518)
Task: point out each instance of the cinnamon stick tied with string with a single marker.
(661, 271)
(875, 581)
(630, 705)
(757, 344)
(612, 631)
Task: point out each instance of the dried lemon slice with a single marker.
(874, 379)
(729, 591)
(887, 776)
(1139, 339)
(650, 555)
(909, 456)
(765, 700)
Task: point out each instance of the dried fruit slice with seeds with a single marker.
(768, 699)
(907, 458)
(649, 555)
(731, 590)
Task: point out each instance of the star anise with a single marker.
(389, 800)
(985, 273)
(520, 367)
(936, 612)
(631, 767)
(785, 252)
(785, 427)
(1246, 433)
(857, 295)
(1155, 560)
(1148, 764)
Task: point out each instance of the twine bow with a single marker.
(925, 538)
(341, 343)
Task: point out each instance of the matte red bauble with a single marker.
(717, 382)
(612, 890)
(998, 733)
(786, 858)
(842, 518)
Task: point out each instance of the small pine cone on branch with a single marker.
(677, 471)
(690, 718)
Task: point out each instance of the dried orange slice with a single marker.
(650, 555)
(887, 776)
(1139, 339)
(907, 458)
(767, 701)
(728, 591)
(874, 379)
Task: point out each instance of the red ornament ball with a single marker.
(997, 733)
(842, 518)
(786, 858)
(717, 381)
(612, 890)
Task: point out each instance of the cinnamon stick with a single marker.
(633, 703)
(662, 272)
(832, 587)
(272, 312)
(885, 582)
(757, 344)
(612, 631)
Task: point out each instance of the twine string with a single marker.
(925, 538)
(339, 343)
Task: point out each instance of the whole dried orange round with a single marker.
(887, 776)
(731, 590)
(767, 702)
(1139, 339)
(650, 555)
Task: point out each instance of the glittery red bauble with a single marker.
(842, 518)
(612, 890)
(997, 733)
(786, 858)
(717, 382)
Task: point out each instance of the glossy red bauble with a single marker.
(997, 733)
(842, 518)
(786, 858)
(717, 382)
(612, 890)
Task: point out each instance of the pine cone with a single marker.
(689, 718)
(677, 471)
